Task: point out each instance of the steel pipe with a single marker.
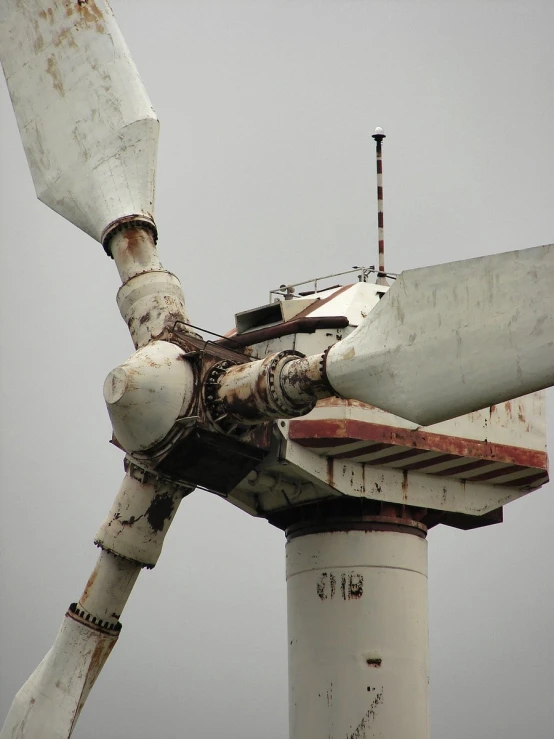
(134, 251)
(108, 588)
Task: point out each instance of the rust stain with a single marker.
(47, 15)
(88, 586)
(134, 243)
(38, 43)
(336, 432)
(91, 14)
(101, 653)
(64, 37)
(259, 435)
(53, 70)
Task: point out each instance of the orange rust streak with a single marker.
(89, 585)
(310, 433)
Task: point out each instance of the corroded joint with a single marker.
(127, 222)
(306, 378)
(150, 299)
(255, 392)
(150, 303)
(83, 616)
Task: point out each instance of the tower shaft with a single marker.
(358, 630)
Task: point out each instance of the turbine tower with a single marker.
(353, 418)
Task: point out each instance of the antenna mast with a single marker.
(379, 135)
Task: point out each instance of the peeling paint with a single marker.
(360, 732)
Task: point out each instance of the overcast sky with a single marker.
(266, 175)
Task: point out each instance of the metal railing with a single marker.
(288, 291)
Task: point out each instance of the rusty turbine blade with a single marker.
(450, 339)
(88, 128)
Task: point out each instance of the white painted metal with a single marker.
(303, 475)
(390, 485)
(134, 252)
(88, 128)
(141, 514)
(521, 422)
(49, 704)
(147, 394)
(454, 338)
(353, 599)
(355, 302)
(109, 587)
(151, 303)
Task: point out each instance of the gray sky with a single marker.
(266, 175)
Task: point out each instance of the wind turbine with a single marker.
(97, 171)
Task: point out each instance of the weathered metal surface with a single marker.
(525, 429)
(274, 312)
(88, 128)
(107, 590)
(147, 394)
(354, 301)
(303, 379)
(357, 633)
(263, 492)
(424, 352)
(253, 392)
(436, 454)
(351, 302)
(413, 488)
(134, 251)
(49, 703)
(212, 460)
(151, 303)
(299, 477)
(307, 325)
(140, 517)
(508, 440)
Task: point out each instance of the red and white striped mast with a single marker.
(379, 135)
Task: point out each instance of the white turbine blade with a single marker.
(49, 703)
(88, 128)
(131, 537)
(451, 339)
